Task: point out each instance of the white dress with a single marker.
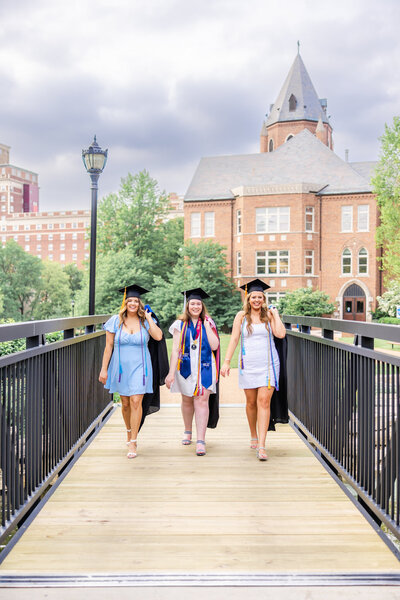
(188, 386)
(260, 358)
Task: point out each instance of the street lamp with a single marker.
(94, 159)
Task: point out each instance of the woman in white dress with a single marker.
(256, 325)
(193, 367)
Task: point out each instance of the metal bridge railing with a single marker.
(51, 402)
(345, 399)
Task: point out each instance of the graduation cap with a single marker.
(132, 291)
(195, 294)
(255, 286)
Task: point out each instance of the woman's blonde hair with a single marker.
(265, 315)
(123, 312)
(185, 316)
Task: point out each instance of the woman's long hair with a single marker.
(123, 312)
(185, 316)
(265, 316)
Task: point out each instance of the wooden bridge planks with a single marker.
(170, 511)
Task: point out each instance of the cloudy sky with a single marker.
(164, 82)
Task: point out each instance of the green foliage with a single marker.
(386, 184)
(132, 216)
(114, 270)
(19, 281)
(388, 302)
(54, 295)
(199, 265)
(388, 320)
(306, 302)
(75, 278)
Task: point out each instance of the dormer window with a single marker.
(292, 103)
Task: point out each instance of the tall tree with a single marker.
(19, 281)
(199, 265)
(75, 278)
(132, 217)
(386, 184)
(54, 294)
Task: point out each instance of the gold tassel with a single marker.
(245, 292)
(123, 299)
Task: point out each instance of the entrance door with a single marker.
(354, 303)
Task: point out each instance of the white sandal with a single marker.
(132, 454)
(128, 431)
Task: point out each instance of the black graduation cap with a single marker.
(255, 286)
(132, 291)
(195, 294)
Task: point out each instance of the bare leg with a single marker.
(264, 396)
(187, 408)
(251, 411)
(136, 416)
(201, 412)
(126, 415)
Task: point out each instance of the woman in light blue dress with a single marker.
(259, 365)
(127, 367)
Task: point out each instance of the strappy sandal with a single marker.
(132, 454)
(253, 445)
(128, 431)
(259, 456)
(186, 442)
(201, 452)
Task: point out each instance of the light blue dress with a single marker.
(130, 370)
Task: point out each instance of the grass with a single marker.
(382, 344)
(224, 337)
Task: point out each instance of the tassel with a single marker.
(123, 299)
(245, 292)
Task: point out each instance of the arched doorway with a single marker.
(354, 303)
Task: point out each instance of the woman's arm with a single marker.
(212, 337)
(233, 342)
(106, 356)
(154, 329)
(169, 380)
(278, 328)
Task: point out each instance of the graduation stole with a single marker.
(269, 361)
(204, 367)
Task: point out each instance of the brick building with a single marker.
(295, 214)
(19, 189)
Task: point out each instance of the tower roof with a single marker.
(297, 100)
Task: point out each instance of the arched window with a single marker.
(292, 103)
(289, 137)
(362, 261)
(346, 262)
(271, 146)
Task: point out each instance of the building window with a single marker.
(275, 219)
(75, 235)
(62, 256)
(309, 262)
(272, 262)
(195, 225)
(271, 146)
(86, 255)
(15, 238)
(74, 225)
(238, 222)
(27, 247)
(11, 209)
(38, 236)
(38, 246)
(50, 236)
(274, 297)
(62, 236)
(292, 103)
(27, 238)
(347, 218)
(3, 208)
(363, 262)
(27, 227)
(363, 217)
(38, 226)
(74, 246)
(238, 263)
(50, 257)
(39, 255)
(75, 257)
(62, 246)
(309, 218)
(346, 262)
(50, 247)
(209, 224)
(50, 226)
(289, 137)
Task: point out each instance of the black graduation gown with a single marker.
(159, 360)
(279, 405)
(213, 400)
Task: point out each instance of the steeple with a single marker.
(297, 107)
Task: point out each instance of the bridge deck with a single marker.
(170, 511)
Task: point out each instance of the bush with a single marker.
(306, 302)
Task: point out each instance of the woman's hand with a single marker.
(225, 369)
(148, 316)
(103, 376)
(169, 380)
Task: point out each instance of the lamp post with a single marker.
(94, 159)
